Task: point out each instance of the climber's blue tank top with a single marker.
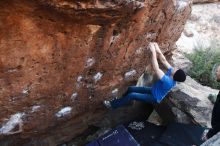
(163, 86)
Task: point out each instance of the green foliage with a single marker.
(212, 97)
(203, 61)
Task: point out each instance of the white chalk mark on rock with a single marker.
(79, 79)
(73, 97)
(115, 91)
(151, 35)
(97, 77)
(130, 73)
(25, 91)
(13, 70)
(139, 51)
(15, 120)
(140, 4)
(90, 62)
(64, 111)
(35, 108)
(114, 38)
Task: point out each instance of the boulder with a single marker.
(213, 141)
(155, 118)
(61, 59)
(188, 33)
(188, 103)
(180, 60)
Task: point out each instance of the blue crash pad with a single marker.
(116, 137)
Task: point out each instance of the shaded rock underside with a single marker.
(60, 59)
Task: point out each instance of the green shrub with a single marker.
(203, 61)
(212, 97)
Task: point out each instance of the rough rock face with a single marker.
(61, 59)
(202, 28)
(188, 103)
(214, 141)
(180, 60)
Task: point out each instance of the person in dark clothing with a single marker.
(216, 111)
(215, 118)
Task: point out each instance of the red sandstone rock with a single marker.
(60, 59)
